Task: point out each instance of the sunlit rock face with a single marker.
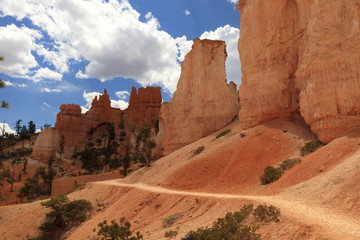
(301, 57)
(144, 106)
(74, 130)
(203, 101)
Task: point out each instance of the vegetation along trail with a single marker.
(334, 225)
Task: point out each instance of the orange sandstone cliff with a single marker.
(301, 57)
(203, 101)
(75, 129)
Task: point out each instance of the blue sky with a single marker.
(68, 51)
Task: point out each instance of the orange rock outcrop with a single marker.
(144, 106)
(301, 57)
(46, 145)
(74, 129)
(203, 101)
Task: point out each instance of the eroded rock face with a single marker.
(203, 102)
(75, 129)
(301, 56)
(144, 106)
(45, 145)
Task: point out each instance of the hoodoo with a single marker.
(74, 128)
(203, 101)
(301, 57)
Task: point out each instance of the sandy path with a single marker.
(333, 225)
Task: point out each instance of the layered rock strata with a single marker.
(74, 129)
(203, 101)
(301, 57)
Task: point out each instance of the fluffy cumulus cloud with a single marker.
(88, 97)
(119, 104)
(46, 73)
(107, 35)
(16, 45)
(184, 46)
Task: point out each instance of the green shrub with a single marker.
(266, 213)
(64, 215)
(116, 231)
(170, 220)
(232, 226)
(171, 234)
(223, 133)
(270, 175)
(197, 151)
(310, 147)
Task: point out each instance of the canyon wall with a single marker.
(74, 130)
(301, 57)
(203, 101)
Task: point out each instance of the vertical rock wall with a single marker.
(301, 57)
(203, 101)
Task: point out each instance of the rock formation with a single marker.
(203, 102)
(75, 129)
(144, 107)
(46, 145)
(301, 57)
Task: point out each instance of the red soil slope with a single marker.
(314, 204)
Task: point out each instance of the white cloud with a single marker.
(47, 90)
(8, 83)
(122, 94)
(16, 45)
(108, 35)
(88, 97)
(234, 1)
(45, 73)
(184, 47)
(7, 128)
(230, 35)
(187, 12)
(119, 104)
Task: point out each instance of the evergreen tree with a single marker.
(31, 127)
(144, 144)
